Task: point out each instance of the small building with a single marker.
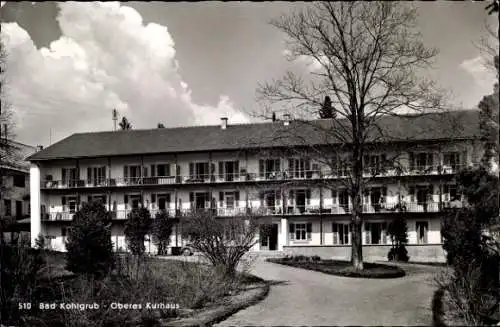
(15, 192)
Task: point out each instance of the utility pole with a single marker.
(115, 118)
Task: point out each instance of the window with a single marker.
(301, 231)
(160, 170)
(270, 200)
(299, 168)
(132, 174)
(300, 199)
(97, 198)
(72, 204)
(69, 176)
(19, 180)
(19, 209)
(341, 233)
(373, 164)
(450, 192)
(163, 200)
(198, 170)
(228, 170)
(8, 207)
(375, 233)
(269, 168)
(421, 161)
(199, 200)
(96, 175)
(451, 160)
(422, 227)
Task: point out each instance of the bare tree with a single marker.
(368, 54)
(223, 242)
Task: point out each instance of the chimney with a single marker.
(286, 119)
(39, 148)
(223, 123)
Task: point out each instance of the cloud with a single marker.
(483, 77)
(106, 58)
(310, 63)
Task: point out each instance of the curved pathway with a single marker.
(301, 297)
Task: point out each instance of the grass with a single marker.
(188, 286)
(340, 268)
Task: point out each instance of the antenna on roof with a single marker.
(115, 118)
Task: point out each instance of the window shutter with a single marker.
(191, 197)
(291, 227)
(335, 234)
(221, 169)
(89, 175)
(237, 167)
(89, 199)
(308, 197)
(291, 197)
(412, 193)
(277, 165)
(78, 200)
(125, 172)
(309, 231)
(261, 168)
(383, 160)
(103, 172)
(191, 170)
(145, 171)
(63, 200)
(154, 173)
(221, 199)
(367, 233)
(430, 157)
(278, 197)
(291, 166)
(153, 198)
(125, 198)
(237, 196)
(412, 160)
(63, 174)
(384, 233)
(308, 165)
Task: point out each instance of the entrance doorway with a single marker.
(269, 237)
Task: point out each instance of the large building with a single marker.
(14, 189)
(269, 169)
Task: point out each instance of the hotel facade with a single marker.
(266, 169)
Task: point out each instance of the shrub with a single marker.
(222, 241)
(89, 246)
(20, 268)
(136, 228)
(161, 229)
(473, 287)
(316, 258)
(40, 242)
(398, 231)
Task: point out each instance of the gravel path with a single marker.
(302, 297)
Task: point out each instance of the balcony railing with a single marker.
(292, 210)
(244, 177)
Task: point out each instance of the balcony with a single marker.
(57, 216)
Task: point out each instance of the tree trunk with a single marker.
(357, 210)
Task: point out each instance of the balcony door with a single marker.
(69, 176)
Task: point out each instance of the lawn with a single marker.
(157, 290)
(340, 268)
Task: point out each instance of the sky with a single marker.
(69, 64)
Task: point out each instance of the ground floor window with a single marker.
(422, 228)
(341, 233)
(375, 233)
(301, 231)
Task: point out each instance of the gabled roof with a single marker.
(462, 124)
(13, 155)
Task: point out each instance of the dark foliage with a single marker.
(137, 226)
(20, 269)
(467, 245)
(89, 246)
(326, 110)
(161, 230)
(398, 231)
